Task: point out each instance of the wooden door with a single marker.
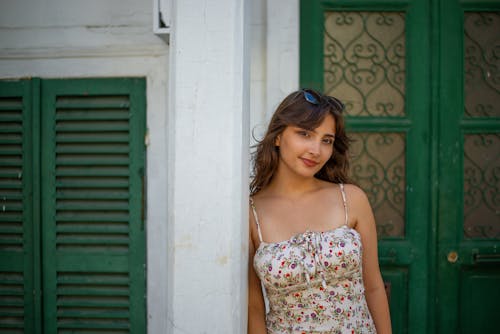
(468, 257)
(374, 55)
(421, 84)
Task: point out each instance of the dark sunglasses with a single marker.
(335, 103)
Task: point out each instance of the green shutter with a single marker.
(92, 183)
(17, 289)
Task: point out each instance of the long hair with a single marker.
(306, 109)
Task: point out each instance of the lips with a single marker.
(309, 163)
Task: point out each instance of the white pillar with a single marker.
(282, 51)
(208, 167)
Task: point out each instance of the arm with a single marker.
(256, 305)
(376, 297)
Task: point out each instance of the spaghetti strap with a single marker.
(254, 210)
(345, 203)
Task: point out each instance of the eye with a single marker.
(328, 140)
(303, 133)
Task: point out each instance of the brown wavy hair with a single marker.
(301, 110)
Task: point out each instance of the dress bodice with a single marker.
(314, 282)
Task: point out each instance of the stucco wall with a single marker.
(274, 58)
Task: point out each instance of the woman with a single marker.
(313, 239)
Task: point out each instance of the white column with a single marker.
(282, 51)
(208, 167)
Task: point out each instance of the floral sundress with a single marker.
(314, 282)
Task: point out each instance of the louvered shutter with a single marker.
(17, 288)
(92, 183)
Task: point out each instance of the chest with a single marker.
(309, 256)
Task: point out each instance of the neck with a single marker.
(292, 186)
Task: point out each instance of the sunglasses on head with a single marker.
(335, 103)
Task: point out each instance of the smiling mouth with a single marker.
(309, 163)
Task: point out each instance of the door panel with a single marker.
(479, 296)
(363, 53)
(469, 157)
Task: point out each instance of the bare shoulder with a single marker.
(355, 194)
(358, 203)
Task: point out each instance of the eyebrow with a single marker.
(326, 134)
(313, 130)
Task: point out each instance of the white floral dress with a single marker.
(314, 281)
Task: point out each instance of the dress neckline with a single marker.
(298, 235)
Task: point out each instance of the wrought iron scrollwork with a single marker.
(481, 186)
(378, 166)
(364, 61)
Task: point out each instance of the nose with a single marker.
(314, 147)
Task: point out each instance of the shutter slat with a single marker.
(11, 312)
(11, 118)
(11, 302)
(92, 137)
(92, 229)
(12, 102)
(75, 172)
(91, 324)
(89, 239)
(117, 313)
(10, 174)
(90, 217)
(92, 206)
(9, 196)
(92, 161)
(12, 229)
(85, 193)
(93, 182)
(101, 149)
(11, 162)
(95, 291)
(10, 141)
(6, 128)
(90, 127)
(84, 115)
(93, 278)
(9, 218)
(93, 102)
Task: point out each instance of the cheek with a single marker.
(328, 151)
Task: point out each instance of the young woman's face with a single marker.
(304, 152)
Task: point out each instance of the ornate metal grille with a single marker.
(482, 64)
(482, 150)
(481, 186)
(364, 61)
(378, 166)
(364, 65)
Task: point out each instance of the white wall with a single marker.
(274, 58)
(208, 191)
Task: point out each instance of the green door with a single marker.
(400, 66)
(468, 258)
